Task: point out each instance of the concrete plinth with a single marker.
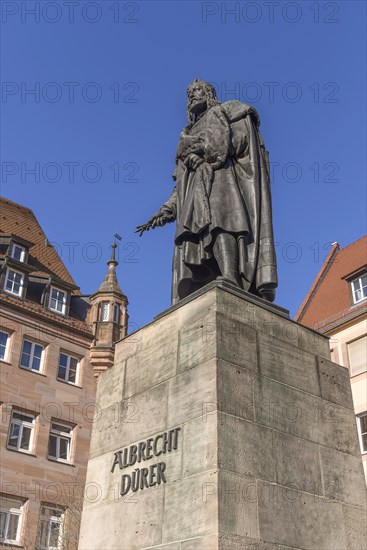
(239, 431)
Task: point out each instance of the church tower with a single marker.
(109, 318)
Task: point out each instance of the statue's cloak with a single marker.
(229, 192)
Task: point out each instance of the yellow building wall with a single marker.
(339, 341)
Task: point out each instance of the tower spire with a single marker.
(110, 282)
(108, 315)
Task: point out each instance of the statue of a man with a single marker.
(221, 201)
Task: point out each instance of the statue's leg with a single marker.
(225, 251)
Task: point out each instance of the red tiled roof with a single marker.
(20, 221)
(73, 323)
(330, 296)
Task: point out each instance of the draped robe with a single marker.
(229, 192)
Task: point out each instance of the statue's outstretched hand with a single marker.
(157, 220)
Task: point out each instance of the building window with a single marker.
(362, 431)
(116, 314)
(14, 282)
(21, 431)
(105, 311)
(68, 369)
(50, 527)
(359, 288)
(4, 345)
(59, 447)
(11, 509)
(18, 252)
(57, 300)
(31, 356)
(357, 352)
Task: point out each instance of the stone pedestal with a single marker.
(241, 430)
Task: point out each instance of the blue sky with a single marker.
(100, 129)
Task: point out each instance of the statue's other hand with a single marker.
(193, 161)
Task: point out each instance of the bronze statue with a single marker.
(221, 201)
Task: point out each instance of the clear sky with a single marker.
(91, 150)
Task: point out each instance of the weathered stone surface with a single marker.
(299, 520)
(235, 390)
(355, 521)
(267, 455)
(272, 324)
(208, 542)
(335, 383)
(297, 463)
(111, 389)
(245, 448)
(192, 394)
(106, 490)
(237, 498)
(227, 542)
(189, 510)
(109, 514)
(236, 342)
(159, 359)
(197, 343)
(200, 309)
(341, 474)
(304, 415)
(197, 335)
(141, 519)
(288, 364)
(130, 420)
(170, 546)
(199, 445)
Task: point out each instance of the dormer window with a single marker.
(359, 288)
(14, 282)
(57, 300)
(18, 252)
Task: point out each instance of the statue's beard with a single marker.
(197, 107)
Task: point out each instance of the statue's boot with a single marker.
(225, 251)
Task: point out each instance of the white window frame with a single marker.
(21, 287)
(12, 512)
(63, 301)
(7, 344)
(31, 357)
(61, 435)
(22, 424)
(357, 285)
(22, 254)
(67, 374)
(360, 433)
(105, 312)
(50, 520)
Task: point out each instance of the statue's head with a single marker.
(201, 96)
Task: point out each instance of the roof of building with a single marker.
(329, 301)
(20, 221)
(73, 321)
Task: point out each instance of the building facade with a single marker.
(50, 337)
(336, 306)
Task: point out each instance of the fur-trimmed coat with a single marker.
(228, 192)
